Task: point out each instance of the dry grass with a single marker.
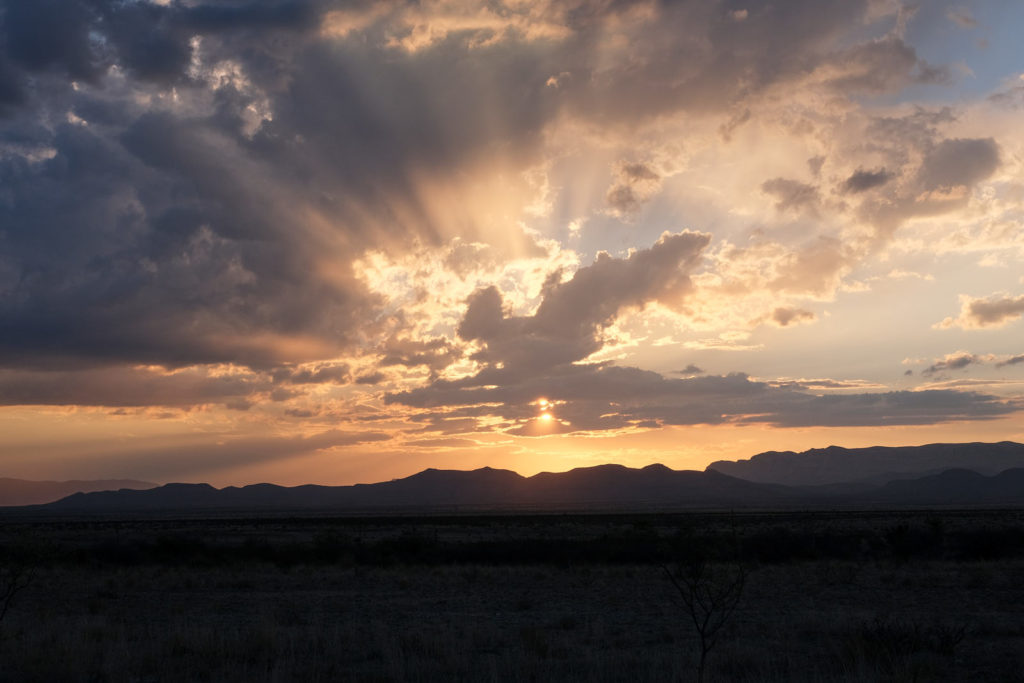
(248, 620)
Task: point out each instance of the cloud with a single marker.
(149, 386)
(435, 354)
(784, 316)
(690, 369)
(959, 162)
(443, 443)
(542, 355)
(634, 184)
(815, 269)
(877, 66)
(961, 16)
(52, 35)
(862, 180)
(989, 312)
(203, 195)
(791, 194)
(200, 185)
(952, 361)
(173, 258)
(215, 222)
(889, 408)
(825, 384)
(125, 386)
(314, 373)
(924, 172)
(960, 360)
(602, 397)
(568, 322)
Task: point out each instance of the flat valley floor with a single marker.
(843, 596)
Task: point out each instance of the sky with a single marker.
(318, 241)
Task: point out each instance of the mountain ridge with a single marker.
(933, 474)
(871, 465)
(601, 485)
(34, 492)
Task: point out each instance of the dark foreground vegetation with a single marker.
(851, 596)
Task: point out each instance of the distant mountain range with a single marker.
(601, 486)
(939, 474)
(25, 492)
(875, 465)
(955, 487)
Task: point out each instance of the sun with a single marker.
(546, 417)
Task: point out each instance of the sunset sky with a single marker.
(338, 242)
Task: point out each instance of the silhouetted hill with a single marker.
(605, 485)
(956, 487)
(619, 487)
(27, 492)
(875, 465)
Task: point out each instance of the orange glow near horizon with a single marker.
(77, 443)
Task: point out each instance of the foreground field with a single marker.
(828, 597)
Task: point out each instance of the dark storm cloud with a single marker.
(52, 34)
(82, 38)
(152, 236)
(12, 88)
(160, 257)
(272, 14)
(194, 165)
(163, 233)
(148, 39)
